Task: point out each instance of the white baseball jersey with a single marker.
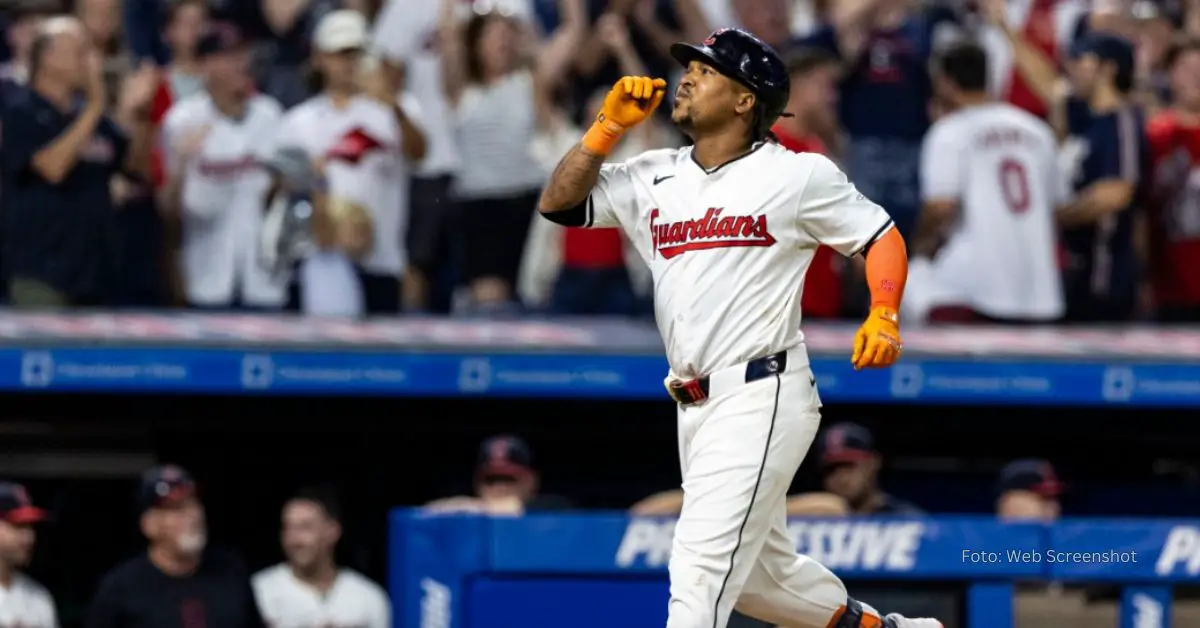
(27, 604)
(353, 602)
(1000, 165)
(729, 248)
(379, 179)
(223, 194)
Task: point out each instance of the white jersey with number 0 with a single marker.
(729, 248)
(353, 602)
(999, 165)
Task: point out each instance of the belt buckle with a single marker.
(686, 392)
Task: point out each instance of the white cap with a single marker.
(341, 30)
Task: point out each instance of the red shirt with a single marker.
(1175, 209)
(593, 248)
(822, 296)
(805, 144)
(1039, 32)
(597, 249)
(163, 99)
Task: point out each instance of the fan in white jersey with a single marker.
(213, 145)
(728, 227)
(364, 143)
(23, 602)
(986, 247)
(309, 590)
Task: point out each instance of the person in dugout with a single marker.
(850, 465)
(179, 582)
(23, 600)
(309, 588)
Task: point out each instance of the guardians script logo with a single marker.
(713, 231)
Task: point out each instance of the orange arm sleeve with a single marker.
(887, 270)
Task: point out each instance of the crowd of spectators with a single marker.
(351, 157)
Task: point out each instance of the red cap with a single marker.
(846, 442)
(17, 507)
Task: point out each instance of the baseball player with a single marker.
(728, 227)
(23, 601)
(310, 588)
(985, 246)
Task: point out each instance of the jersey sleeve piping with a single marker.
(874, 238)
(581, 215)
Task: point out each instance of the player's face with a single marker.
(340, 69)
(1020, 505)
(16, 544)
(707, 100)
(502, 487)
(850, 481)
(180, 527)
(308, 535)
(1185, 80)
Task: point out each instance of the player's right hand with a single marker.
(631, 100)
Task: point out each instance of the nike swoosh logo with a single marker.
(658, 180)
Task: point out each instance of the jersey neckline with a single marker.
(753, 149)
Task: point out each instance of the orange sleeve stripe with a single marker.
(887, 270)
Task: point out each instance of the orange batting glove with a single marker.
(877, 343)
(631, 100)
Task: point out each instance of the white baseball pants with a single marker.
(739, 451)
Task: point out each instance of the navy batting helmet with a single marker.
(749, 61)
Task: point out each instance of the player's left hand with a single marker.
(877, 343)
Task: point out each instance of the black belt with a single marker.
(687, 392)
